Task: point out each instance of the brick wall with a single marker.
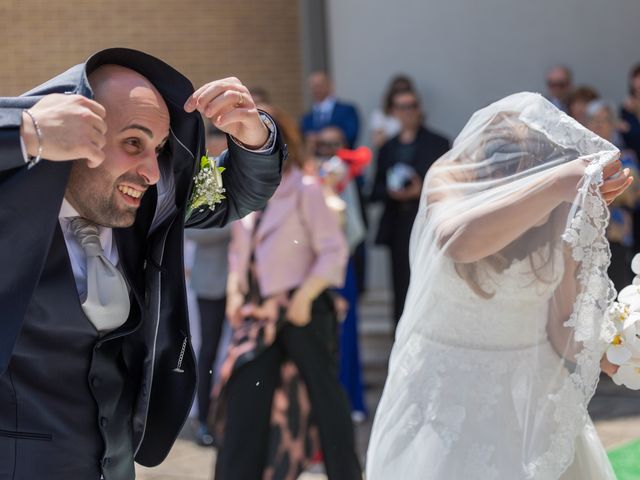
(255, 40)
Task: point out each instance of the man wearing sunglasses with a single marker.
(559, 86)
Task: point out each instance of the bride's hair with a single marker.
(509, 151)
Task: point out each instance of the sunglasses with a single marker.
(406, 106)
(329, 145)
(557, 84)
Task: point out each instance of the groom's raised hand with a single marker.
(231, 108)
(71, 127)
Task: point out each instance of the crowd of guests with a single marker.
(279, 402)
(620, 125)
(290, 386)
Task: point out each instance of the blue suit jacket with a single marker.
(344, 116)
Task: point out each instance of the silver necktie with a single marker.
(107, 304)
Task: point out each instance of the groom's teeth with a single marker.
(130, 191)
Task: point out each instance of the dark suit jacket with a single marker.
(429, 146)
(30, 200)
(344, 116)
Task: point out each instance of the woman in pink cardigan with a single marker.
(282, 261)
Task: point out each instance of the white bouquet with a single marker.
(624, 348)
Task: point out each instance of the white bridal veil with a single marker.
(497, 352)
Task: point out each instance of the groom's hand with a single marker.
(231, 108)
(71, 127)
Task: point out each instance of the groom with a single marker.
(96, 169)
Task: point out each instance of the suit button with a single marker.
(104, 421)
(96, 381)
(106, 461)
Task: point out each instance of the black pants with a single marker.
(620, 267)
(400, 269)
(243, 453)
(212, 314)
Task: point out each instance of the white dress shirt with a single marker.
(324, 110)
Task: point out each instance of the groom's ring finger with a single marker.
(216, 90)
(226, 102)
(240, 100)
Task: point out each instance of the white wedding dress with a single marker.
(471, 377)
(498, 350)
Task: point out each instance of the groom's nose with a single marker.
(148, 168)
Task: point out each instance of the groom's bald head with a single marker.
(117, 86)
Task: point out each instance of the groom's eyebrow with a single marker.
(142, 128)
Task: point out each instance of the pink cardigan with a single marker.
(298, 237)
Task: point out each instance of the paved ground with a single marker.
(616, 411)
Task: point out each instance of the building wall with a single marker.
(256, 41)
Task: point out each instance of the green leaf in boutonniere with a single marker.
(207, 187)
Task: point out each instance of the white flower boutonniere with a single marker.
(207, 186)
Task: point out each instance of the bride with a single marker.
(498, 350)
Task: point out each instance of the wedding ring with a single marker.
(240, 100)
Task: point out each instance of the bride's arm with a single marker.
(560, 309)
(486, 229)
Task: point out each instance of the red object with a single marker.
(318, 457)
(357, 159)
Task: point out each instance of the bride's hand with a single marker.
(616, 181)
(607, 367)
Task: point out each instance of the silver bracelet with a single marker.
(36, 159)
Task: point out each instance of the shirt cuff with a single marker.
(25, 155)
(271, 141)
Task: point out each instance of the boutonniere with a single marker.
(207, 187)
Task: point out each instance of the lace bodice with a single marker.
(514, 317)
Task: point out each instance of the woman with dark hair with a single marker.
(282, 261)
(578, 100)
(383, 124)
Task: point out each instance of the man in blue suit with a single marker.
(327, 110)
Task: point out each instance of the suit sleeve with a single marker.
(249, 179)
(10, 150)
(306, 123)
